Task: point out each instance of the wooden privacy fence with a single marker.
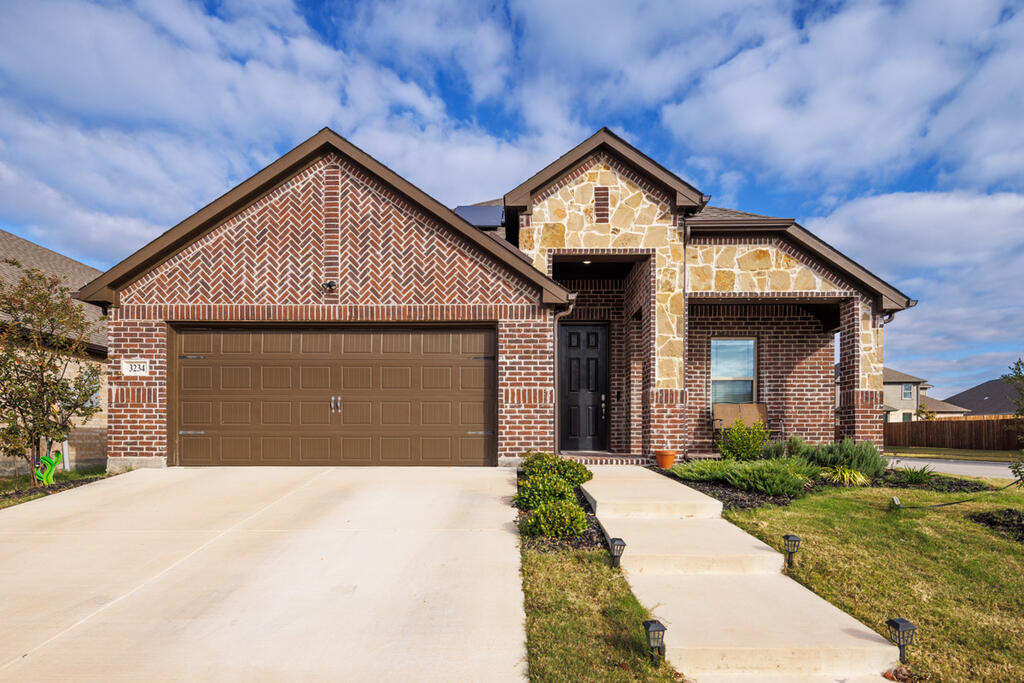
(987, 435)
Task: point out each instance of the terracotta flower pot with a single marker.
(665, 459)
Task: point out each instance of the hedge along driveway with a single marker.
(266, 573)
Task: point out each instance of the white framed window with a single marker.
(908, 391)
(908, 417)
(733, 370)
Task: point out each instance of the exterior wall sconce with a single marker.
(655, 632)
(617, 546)
(901, 632)
(792, 542)
(329, 286)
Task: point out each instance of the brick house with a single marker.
(326, 311)
(87, 443)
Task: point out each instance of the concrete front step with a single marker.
(760, 625)
(782, 678)
(630, 491)
(690, 546)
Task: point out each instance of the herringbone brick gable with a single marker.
(331, 221)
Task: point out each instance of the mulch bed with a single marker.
(591, 539)
(938, 482)
(47, 490)
(1008, 521)
(731, 498)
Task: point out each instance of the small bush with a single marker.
(844, 476)
(863, 457)
(536, 462)
(774, 450)
(556, 519)
(704, 470)
(740, 442)
(542, 488)
(918, 475)
(778, 477)
(770, 477)
(795, 446)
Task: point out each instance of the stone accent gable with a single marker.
(757, 265)
(331, 221)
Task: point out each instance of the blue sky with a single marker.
(894, 130)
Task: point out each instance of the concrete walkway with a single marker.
(730, 612)
(266, 574)
(964, 468)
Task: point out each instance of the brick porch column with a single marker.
(859, 404)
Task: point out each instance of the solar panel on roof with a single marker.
(482, 216)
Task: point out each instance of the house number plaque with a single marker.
(135, 367)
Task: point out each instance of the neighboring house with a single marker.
(326, 311)
(994, 397)
(904, 393)
(87, 444)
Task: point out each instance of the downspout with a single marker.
(558, 317)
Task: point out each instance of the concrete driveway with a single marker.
(965, 468)
(265, 574)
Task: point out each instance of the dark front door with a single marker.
(583, 387)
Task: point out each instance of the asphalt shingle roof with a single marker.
(994, 397)
(72, 273)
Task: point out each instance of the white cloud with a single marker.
(961, 254)
(854, 94)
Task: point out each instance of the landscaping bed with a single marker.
(1009, 521)
(898, 479)
(732, 498)
(18, 488)
(591, 539)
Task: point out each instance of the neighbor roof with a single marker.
(994, 397)
(940, 406)
(890, 376)
(105, 288)
(72, 273)
(685, 194)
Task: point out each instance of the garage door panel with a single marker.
(421, 396)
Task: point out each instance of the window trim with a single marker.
(711, 374)
(908, 385)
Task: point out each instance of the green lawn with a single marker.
(583, 622)
(24, 481)
(961, 583)
(950, 453)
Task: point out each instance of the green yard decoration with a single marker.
(44, 473)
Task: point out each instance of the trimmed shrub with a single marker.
(774, 450)
(778, 477)
(795, 446)
(555, 519)
(844, 476)
(704, 470)
(740, 442)
(542, 488)
(536, 462)
(863, 457)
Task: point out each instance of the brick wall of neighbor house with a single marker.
(794, 367)
(331, 221)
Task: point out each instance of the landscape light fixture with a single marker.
(792, 542)
(655, 632)
(587, 262)
(901, 632)
(617, 545)
(329, 286)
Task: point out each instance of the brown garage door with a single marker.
(422, 396)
